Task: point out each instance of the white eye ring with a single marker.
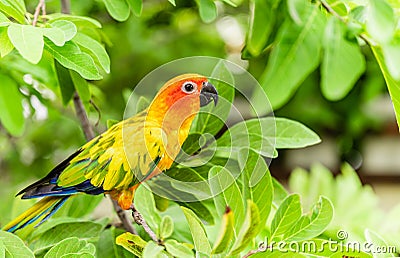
(189, 87)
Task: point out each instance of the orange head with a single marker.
(180, 99)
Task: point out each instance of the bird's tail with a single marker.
(45, 207)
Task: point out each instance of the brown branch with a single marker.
(89, 134)
(40, 7)
(140, 221)
(261, 248)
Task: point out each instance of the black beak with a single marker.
(207, 94)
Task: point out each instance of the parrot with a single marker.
(130, 152)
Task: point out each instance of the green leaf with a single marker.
(286, 215)
(144, 203)
(342, 64)
(11, 115)
(207, 10)
(178, 249)
(376, 244)
(152, 250)
(68, 28)
(172, 2)
(166, 227)
(111, 122)
(71, 246)
(52, 236)
(65, 82)
(5, 44)
(391, 52)
(136, 7)
(72, 58)
(250, 228)
(212, 118)
(305, 228)
(15, 9)
(95, 49)
(381, 21)
(14, 246)
(198, 232)
(107, 247)
(226, 193)
(392, 84)
(28, 40)
(133, 243)
(82, 87)
(280, 193)
(295, 55)
(118, 9)
(225, 234)
(80, 21)
(257, 180)
(56, 35)
(142, 104)
(262, 20)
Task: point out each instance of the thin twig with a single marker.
(140, 221)
(40, 7)
(89, 134)
(330, 10)
(261, 248)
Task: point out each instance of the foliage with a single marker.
(42, 67)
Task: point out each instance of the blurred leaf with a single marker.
(80, 21)
(226, 193)
(52, 236)
(144, 203)
(172, 2)
(111, 122)
(13, 245)
(178, 249)
(250, 228)
(304, 229)
(65, 81)
(67, 27)
(72, 58)
(56, 35)
(166, 227)
(71, 246)
(152, 250)
(133, 243)
(342, 64)
(258, 181)
(198, 232)
(142, 104)
(15, 9)
(118, 9)
(107, 247)
(392, 84)
(391, 52)
(381, 21)
(287, 214)
(207, 10)
(11, 115)
(95, 49)
(136, 6)
(5, 44)
(28, 40)
(377, 244)
(82, 87)
(295, 55)
(225, 234)
(212, 118)
(262, 20)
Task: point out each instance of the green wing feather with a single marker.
(119, 158)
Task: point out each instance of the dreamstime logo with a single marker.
(240, 97)
(319, 246)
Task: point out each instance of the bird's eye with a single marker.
(189, 87)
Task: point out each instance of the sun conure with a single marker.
(128, 153)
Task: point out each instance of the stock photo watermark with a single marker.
(319, 246)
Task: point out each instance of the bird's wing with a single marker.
(119, 158)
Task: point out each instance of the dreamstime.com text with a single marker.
(327, 245)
